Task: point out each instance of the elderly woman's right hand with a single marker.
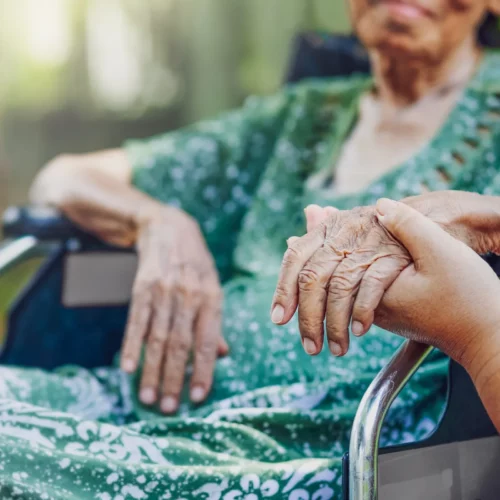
(175, 309)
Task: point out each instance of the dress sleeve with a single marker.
(212, 169)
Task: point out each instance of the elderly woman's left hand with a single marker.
(342, 266)
(347, 254)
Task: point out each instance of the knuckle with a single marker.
(374, 280)
(180, 346)
(205, 351)
(310, 327)
(281, 292)
(308, 277)
(340, 285)
(163, 286)
(156, 342)
(141, 286)
(189, 290)
(362, 309)
(292, 255)
(337, 333)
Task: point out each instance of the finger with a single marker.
(137, 327)
(286, 294)
(422, 237)
(330, 211)
(180, 340)
(314, 216)
(377, 279)
(156, 343)
(222, 347)
(313, 285)
(207, 329)
(342, 290)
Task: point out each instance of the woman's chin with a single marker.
(405, 47)
(407, 44)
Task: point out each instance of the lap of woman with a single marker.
(276, 423)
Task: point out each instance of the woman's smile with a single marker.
(404, 10)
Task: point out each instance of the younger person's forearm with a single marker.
(484, 369)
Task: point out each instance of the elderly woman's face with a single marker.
(417, 28)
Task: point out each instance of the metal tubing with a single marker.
(363, 448)
(12, 253)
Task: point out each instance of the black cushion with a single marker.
(322, 55)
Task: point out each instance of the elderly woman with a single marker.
(225, 195)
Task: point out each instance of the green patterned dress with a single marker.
(277, 421)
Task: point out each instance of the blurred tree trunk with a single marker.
(4, 179)
(212, 36)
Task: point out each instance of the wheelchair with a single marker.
(84, 286)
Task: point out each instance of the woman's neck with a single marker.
(401, 82)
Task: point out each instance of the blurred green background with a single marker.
(82, 75)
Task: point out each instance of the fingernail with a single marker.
(278, 314)
(335, 348)
(197, 394)
(128, 365)
(309, 346)
(384, 206)
(168, 404)
(148, 396)
(357, 328)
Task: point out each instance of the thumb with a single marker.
(422, 237)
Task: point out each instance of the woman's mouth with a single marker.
(405, 9)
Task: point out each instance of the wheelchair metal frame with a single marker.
(365, 434)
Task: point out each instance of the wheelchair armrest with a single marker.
(465, 417)
(363, 448)
(45, 224)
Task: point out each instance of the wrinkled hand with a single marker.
(341, 267)
(471, 218)
(175, 309)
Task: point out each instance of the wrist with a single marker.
(156, 213)
(481, 358)
(485, 376)
(479, 221)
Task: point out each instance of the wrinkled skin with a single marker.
(342, 267)
(324, 271)
(410, 54)
(175, 310)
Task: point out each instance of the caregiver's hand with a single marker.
(449, 297)
(175, 309)
(323, 271)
